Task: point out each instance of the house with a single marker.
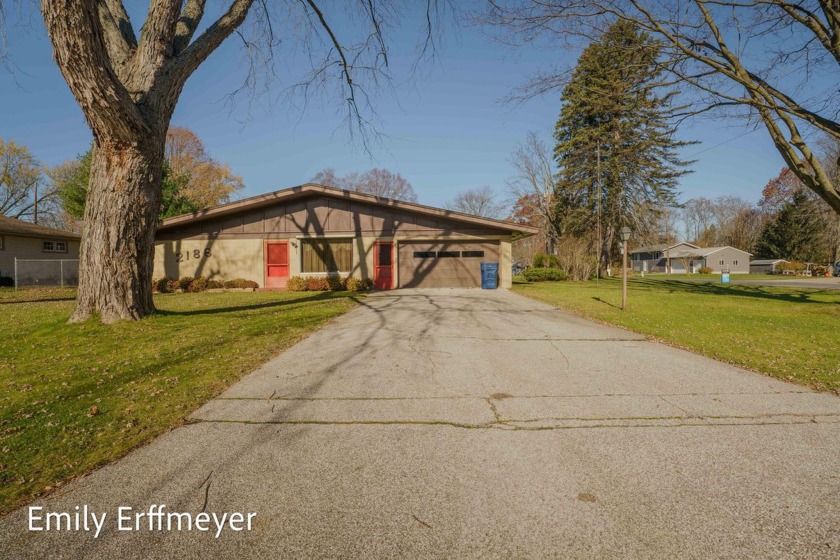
(765, 266)
(25, 240)
(315, 230)
(652, 258)
(689, 258)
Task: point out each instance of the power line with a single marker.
(722, 143)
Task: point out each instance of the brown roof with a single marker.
(13, 226)
(310, 189)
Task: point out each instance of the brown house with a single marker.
(25, 240)
(314, 230)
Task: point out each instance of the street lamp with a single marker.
(624, 234)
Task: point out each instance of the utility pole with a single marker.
(667, 245)
(598, 213)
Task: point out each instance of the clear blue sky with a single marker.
(444, 132)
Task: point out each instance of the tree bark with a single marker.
(117, 252)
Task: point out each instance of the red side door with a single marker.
(383, 265)
(276, 264)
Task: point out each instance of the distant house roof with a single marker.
(13, 226)
(768, 261)
(311, 189)
(700, 252)
(661, 247)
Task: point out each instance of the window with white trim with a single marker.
(55, 246)
(735, 262)
(722, 262)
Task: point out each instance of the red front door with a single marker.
(276, 264)
(383, 265)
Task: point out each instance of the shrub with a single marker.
(296, 284)
(7, 281)
(317, 284)
(545, 275)
(215, 285)
(198, 285)
(795, 266)
(241, 283)
(353, 284)
(337, 283)
(164, 286)
(183, 283)
(546, 261)
(575, 258)
(705, 270)
(820, 270)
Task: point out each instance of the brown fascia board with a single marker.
(308, 189)
(36, 231)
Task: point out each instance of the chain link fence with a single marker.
(46, 272)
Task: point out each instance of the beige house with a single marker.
(33, 242)
(314, 230)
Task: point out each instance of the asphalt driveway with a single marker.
(474, 424)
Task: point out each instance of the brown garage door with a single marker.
(425, 264)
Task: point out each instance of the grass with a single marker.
(74, 397)
(790, 333)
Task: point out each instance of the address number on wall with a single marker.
(195, 254)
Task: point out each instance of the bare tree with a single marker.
(128, 86)
(25, 193)
(534, 184)
(710, 45)
(480, 201)
(376, 181)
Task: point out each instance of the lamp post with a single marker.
(624, 234)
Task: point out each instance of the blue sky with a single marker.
(445, 131)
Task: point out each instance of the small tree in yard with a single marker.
(128, 86)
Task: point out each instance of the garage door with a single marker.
(424, 264)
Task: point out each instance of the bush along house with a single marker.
(318, 231)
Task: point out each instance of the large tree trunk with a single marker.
(117, 253)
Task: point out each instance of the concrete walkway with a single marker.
(473, 424)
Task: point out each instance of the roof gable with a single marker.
(296, 194)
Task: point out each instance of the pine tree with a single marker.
(796, 233)
(612, 105)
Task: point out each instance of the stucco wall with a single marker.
(31, 248)
(218, 259)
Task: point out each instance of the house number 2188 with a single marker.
(195, 254)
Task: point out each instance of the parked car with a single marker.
(837, 268)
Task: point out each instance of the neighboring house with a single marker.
(314, 230)
(653, 258)
(765, 266)
(688, 258)
(25, 240)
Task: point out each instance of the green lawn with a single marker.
(77, 396)
(790, 333)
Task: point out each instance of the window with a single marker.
(424, 254)
(2, 242)
(55, 246)
(722, 262)
(327, 255)
(467, 254)
(448, 254)
(735, 262)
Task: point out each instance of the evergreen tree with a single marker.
(612, 105)
(796, 232)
